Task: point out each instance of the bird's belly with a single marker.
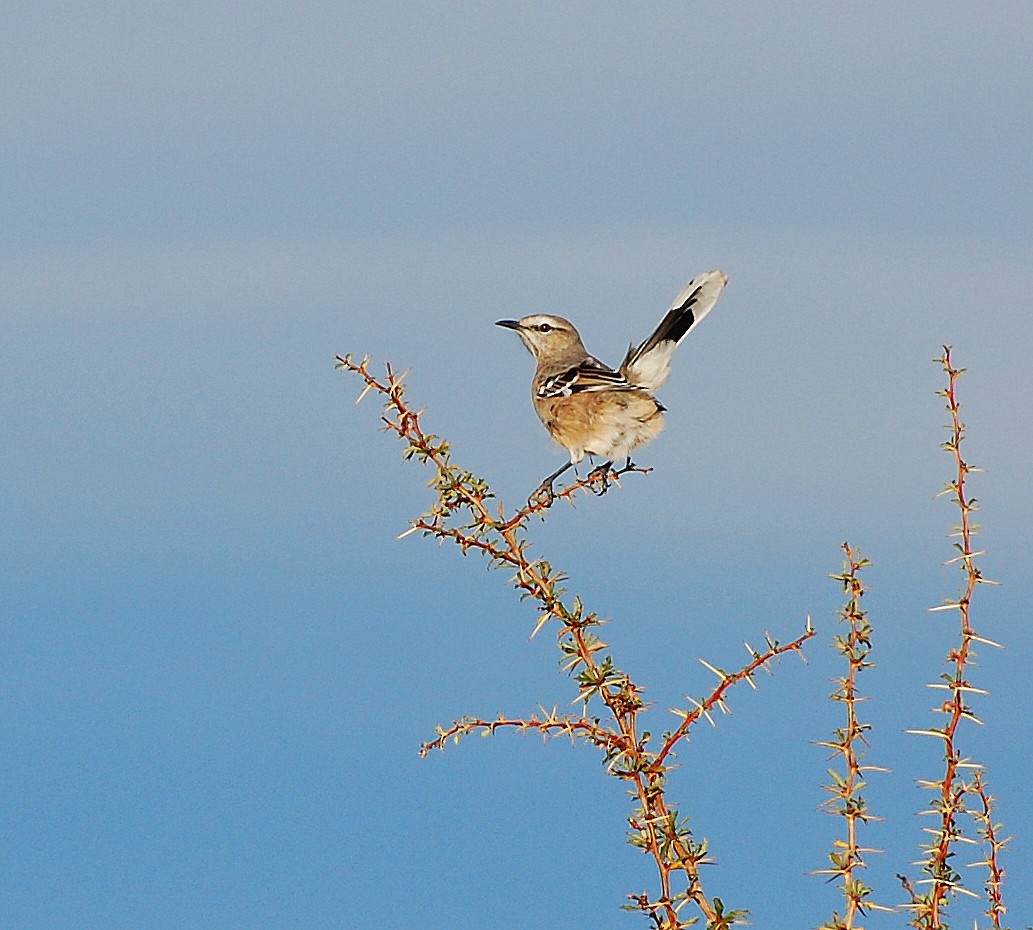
(608, 424)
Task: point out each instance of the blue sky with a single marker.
(219, 662)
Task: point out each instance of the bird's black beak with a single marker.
(509, 324)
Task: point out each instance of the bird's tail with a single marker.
(649, 365)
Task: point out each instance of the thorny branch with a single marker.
(850, 745)
(951, 791)
(462, 515)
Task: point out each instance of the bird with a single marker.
(592, 409)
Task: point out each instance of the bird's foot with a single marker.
(598, 476)
(543, 495)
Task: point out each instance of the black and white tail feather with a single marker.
(649, 365)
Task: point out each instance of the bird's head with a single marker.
(545, 335)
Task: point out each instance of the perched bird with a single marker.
(592, 409)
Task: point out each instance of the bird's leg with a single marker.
(544, 494)
(599, 474)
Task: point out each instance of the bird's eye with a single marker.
(544, 328)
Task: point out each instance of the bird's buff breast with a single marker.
(608, 424)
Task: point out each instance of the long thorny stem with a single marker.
(656, 827)
(850, 745)
(951, 791)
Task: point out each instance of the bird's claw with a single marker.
(598, 476)
(543, 496)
